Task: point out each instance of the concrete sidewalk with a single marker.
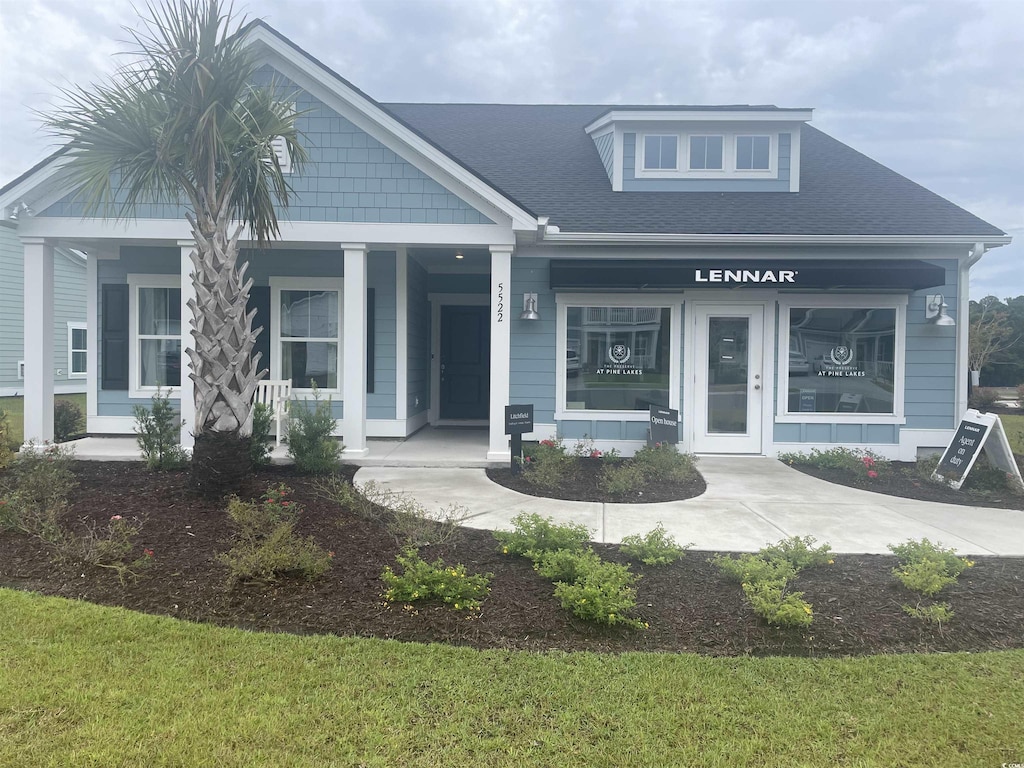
(749, 502)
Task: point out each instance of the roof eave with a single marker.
(636, 238)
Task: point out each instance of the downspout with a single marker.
(963, 316)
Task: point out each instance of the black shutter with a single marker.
(114, 337)
(371, 331)
(259, 299)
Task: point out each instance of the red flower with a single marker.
(595, 454)
(548, 443)
(147, 552)
(868, 461)
(872, 473)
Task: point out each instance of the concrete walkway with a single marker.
(749, 502)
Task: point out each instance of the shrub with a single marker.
(36, 491)
(602, 592)
(6, 454)
(748, 568)
(421, 580)
(108, 547)
(67, 420)
(547, 465)
(771, 601)
(620, 479)
(311, 443)
(533, 535)
(259, 447)
(566, 565)
(937, 613)
(655, 548)
(662, 462)
(159, 434)
(800, 553)
(278, 554)
(265, 545)
(983, 398)
(918, 551)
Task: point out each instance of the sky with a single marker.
(932, 89)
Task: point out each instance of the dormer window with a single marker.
(661, 153)
(706, 153)
(753, 153)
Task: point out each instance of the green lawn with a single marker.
(14, 407)
(1014, 428)
(89, 686)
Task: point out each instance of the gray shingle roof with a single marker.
(541, 157)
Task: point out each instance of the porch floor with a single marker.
(429, 447)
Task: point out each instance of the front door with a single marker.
(465, 362)
(728, 378)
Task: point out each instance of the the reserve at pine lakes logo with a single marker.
(619, 353)
(841, 355)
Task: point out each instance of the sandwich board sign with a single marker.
(976, 431)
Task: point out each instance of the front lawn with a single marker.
(93, 686)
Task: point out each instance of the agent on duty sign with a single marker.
(976, 431)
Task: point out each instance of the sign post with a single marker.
(976, 431)
(664, 425)
(518, 420)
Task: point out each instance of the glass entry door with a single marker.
(728, 378)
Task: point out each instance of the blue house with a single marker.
(440, 261)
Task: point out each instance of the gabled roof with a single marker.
(542, 156)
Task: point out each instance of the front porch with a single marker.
(429, 447)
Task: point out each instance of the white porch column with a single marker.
(38, 352)
(501, 345)
(92, 325)
(353, 388)
(188, 389)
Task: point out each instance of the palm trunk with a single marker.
(224, 370)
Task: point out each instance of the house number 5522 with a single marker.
(501, 302)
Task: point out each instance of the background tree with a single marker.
(996, 345)
(185, 123)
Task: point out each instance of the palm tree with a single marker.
(185, 122)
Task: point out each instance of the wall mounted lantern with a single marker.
(529, 307)
(935, 310)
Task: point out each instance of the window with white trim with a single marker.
(78, 350)
(842, 360)
(706, 153)
(154, 317)
(661, 153)
(617, 354)
(753, 153)
(306, 317)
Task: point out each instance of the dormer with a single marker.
(701, 149)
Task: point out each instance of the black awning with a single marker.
(676, 274)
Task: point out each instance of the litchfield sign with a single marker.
(664, 425)
(976, 431)
(518, 419)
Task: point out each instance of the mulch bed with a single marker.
(584, 485)
(856, 601)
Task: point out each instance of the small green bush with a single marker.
(603, 593)
(67, 420)
(748, 568)
(657, 547)
(937, 613)
(800, 553)
(622, 478)
(421, 580)
(663, 462)
(911, 552)
(533, 535)
(839, 458)
(159, 434)
(983, 398)
(929, 577)
(311, 443)
(277, 555)
(35, 491)
(771, 601)
(259, 447)
(566, 565)
(265, 545)
(547, 464)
